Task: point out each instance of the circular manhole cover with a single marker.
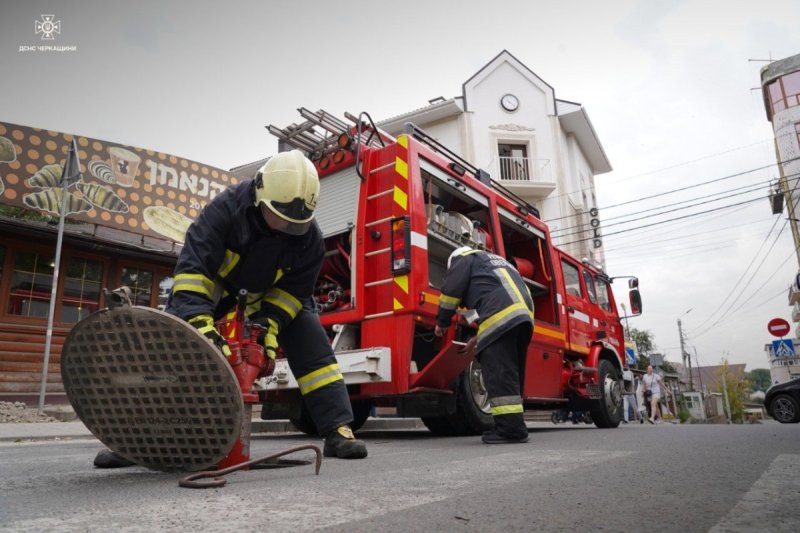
(152, 388)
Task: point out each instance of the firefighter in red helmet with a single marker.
(260, 235)
(491, 286)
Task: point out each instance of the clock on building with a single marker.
(509, 102)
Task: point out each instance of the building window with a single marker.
(140, 283)
(784, 92)
(31, 284)
(513, 162)
(81, 289)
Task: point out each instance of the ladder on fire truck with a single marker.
(321, 132)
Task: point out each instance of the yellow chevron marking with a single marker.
(402, 282)
(403, 141)
(401, 198)
(397, 305)
(401, 167)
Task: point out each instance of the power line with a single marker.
(680, 189)
(769, 278)
(735, 286)
(592, 188)
(669, 220)
(727, 313)
(738, 281)
(677, 225)
(657, 213)
(683, 237)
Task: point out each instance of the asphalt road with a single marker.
(567, 478)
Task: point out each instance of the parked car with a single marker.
(783, 402)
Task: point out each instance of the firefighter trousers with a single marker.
(309, 354)
(503, 369)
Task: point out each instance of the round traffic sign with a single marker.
(778, 327)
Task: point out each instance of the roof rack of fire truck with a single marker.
(321, 131)
(458, 161)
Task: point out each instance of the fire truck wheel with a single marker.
(472, 416)
(606, 411)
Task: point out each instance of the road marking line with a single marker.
(775, 494)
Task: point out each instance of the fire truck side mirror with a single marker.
(636, 302)
(633, 283)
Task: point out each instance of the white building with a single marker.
(783, 367)
(780, 84)
(509, 122)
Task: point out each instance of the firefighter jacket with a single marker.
(489, 284)
(230, 247)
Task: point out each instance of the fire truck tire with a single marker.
(361, 409)
(607, 411)
(472, 416)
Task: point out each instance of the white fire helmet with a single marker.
(457, 252)
(288, 186)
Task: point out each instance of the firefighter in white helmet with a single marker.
(490, 285)
(260, 235)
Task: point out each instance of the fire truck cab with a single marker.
(391, 211)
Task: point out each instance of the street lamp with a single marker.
(625, 316)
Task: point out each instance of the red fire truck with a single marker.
(392, 210)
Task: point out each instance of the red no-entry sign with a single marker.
(778, 327)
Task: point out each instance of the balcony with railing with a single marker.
(525, 176)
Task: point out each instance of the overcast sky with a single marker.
(668, 86)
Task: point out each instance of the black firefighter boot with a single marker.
(109, 459)
(342, 444)
(508, 429)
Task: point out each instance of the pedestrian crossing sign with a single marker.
(783, 348)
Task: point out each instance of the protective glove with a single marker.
(469, 348)
(269, 339)
(205, 325)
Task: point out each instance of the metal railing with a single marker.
(523, 169)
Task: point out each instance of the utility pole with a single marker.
(685, 355)
(725, 395)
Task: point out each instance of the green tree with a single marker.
(759, 378)
(736, 385)
(643, 339)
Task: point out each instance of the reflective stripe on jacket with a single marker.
(229, 247)
(489, 284)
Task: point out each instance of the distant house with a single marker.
(706, 378)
